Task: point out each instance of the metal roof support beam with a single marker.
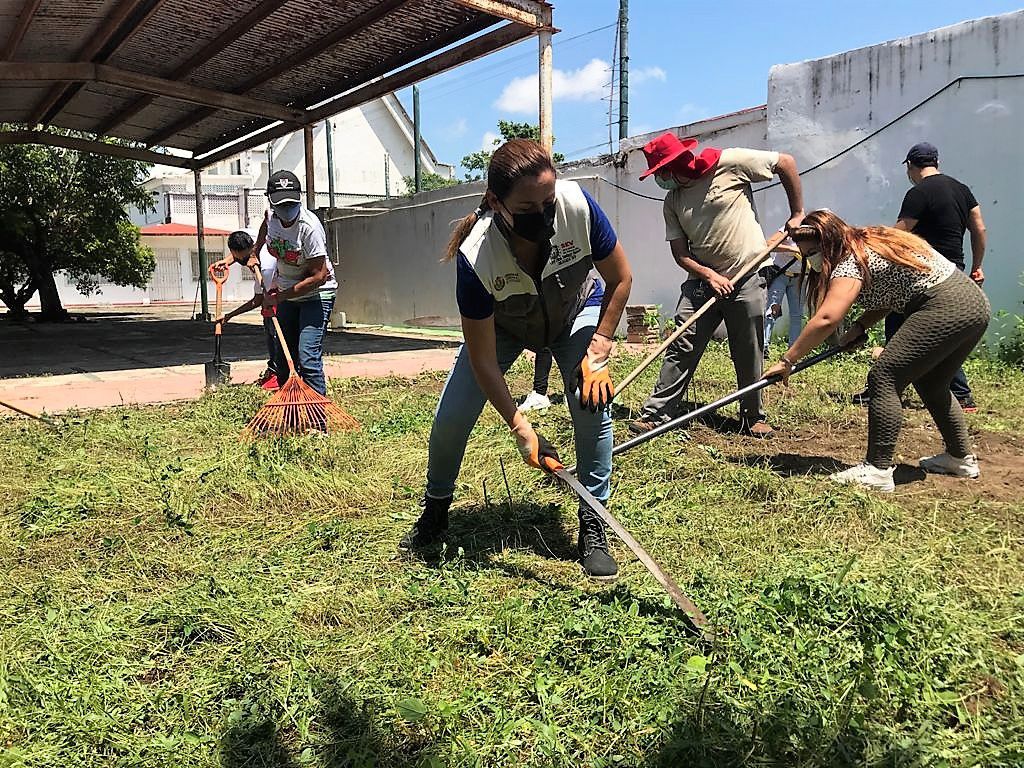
(55, 100)
(473, 49)
(429, 47)
(346, 30)
(203, 55)
(85, 72)
(91, 145)
(529, 12)
(28, 10)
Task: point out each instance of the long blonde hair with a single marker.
(838, 239)
(510, 162)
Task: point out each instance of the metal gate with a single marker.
(166, 282)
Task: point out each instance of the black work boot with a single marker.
(593, 547)
(429, 530)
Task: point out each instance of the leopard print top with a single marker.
(893, 286)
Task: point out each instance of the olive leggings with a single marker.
(942, 326)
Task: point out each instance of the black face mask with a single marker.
(535, 227)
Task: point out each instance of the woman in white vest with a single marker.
(523, 282)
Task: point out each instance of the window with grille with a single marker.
(211, 256)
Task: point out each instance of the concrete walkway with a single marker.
(56, 394)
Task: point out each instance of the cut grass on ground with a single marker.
(170, 596)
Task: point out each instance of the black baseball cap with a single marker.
(923, 154)
(284, 187)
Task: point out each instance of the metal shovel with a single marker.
(218, 373)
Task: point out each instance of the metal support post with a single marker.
(417, 149)
(203, 264)
(310, 181)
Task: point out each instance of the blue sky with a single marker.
(687, 61)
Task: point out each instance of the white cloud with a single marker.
(487, 142)
(588, 83)
(647, 73)
(691, 113)
(458, 128)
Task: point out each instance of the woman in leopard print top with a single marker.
(888, 270)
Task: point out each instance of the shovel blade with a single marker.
(217, 374)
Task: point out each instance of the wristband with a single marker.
(788, 363)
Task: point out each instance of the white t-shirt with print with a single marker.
(293, 246)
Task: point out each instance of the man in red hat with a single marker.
(711, 226)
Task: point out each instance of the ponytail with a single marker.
(463, 227)
(510, 162)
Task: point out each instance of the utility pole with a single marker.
(330, 165)
(387, 176)
(623, 69)
(416, 152)
(544, 75)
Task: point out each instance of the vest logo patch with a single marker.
(502, 280)
(563, 253)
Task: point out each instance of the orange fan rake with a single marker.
(297, 408)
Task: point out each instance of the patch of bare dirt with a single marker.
(827, 448)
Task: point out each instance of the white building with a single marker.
(848, 119)
(372, 149)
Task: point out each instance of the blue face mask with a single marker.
(666, 182)
(287, 211)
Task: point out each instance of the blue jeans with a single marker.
(958, 386)
(788, 287)
(273, 345)
(462, 400)
(304, 324)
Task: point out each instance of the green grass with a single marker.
(170, 596)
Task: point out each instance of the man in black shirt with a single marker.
(939, 209)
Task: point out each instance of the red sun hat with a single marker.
(668, 149)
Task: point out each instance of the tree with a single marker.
(476, 163)
(428, 181)
(62, 210)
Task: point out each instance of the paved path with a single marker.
(55, 394)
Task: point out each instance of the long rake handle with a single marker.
(686, 418)
(770, 246)
(277, 326)
(30, 414)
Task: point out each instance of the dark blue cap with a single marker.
(923, 154)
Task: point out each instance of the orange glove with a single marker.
(533, 447)
(594, 378)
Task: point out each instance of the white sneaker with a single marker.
(944, 464)
(535, 401)
(868, 476)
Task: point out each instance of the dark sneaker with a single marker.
(429, 530)
(967, 404)
(641, 425)
(760, 429)
(593, 548)
(862, 398)
(268, 373)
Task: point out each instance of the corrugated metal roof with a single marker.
(293, 53)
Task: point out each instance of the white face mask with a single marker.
(666, 182)
(814, 261)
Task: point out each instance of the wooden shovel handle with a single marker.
(770, 246)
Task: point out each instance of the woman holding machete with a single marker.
(523, 262)
(888, 270)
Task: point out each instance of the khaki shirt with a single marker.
(716, 213)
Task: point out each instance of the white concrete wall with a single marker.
(818, 108)
(389, 265)
(815, 110)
